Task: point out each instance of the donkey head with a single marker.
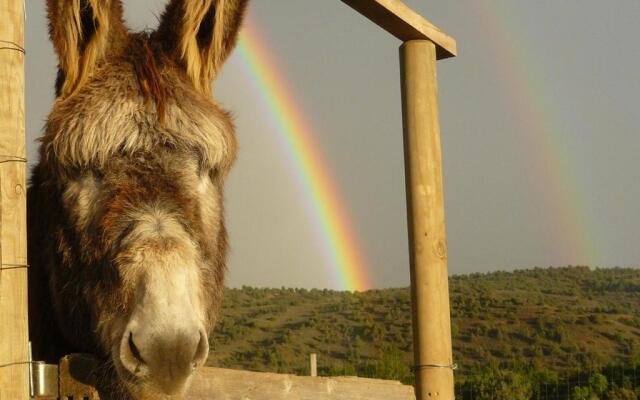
(134, 156)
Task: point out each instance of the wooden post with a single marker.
(313, 364)
(14, 353)
(424, 43)
(427, 236)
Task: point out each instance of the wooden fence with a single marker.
(76, 382)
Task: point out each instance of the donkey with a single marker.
(127, 240)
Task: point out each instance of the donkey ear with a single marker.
(82, 32)
(200, 34)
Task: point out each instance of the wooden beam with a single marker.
(77, 377)
(402, 22)
(216, 383)
(426, 222)
(14, 335)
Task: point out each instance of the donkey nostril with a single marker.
(130, 356)
(202, 351)
(134, 349)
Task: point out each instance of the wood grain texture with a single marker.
(226, 384)
(77, 377)
(402, 22)
(426, 221)
(14, 379)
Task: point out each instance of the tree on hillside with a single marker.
(620, 394)
(598, 383)
(497, 384)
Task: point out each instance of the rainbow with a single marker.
(345, 260)
(550, 156)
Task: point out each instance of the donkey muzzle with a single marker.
(167, 358)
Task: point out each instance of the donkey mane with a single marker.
(149, 79)
(139, 116)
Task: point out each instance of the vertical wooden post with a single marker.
(313, 364)
(14, 353)
(427, 236)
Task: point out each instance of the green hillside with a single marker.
(554, 321)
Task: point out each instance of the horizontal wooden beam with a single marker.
(78, 375)
(402, 22)
(217, 383)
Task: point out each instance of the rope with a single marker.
(421, 367)
(6, 267)
(12, 46)
(13, 364)
(9, 159)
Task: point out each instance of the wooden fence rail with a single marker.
(226, 384)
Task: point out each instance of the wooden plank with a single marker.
(226, 384)
(14, 353)
(426, 222)
(77, 375)
(402, 22)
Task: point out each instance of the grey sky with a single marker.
(539, 127)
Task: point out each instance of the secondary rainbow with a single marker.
(551, 156)
(346, 262)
